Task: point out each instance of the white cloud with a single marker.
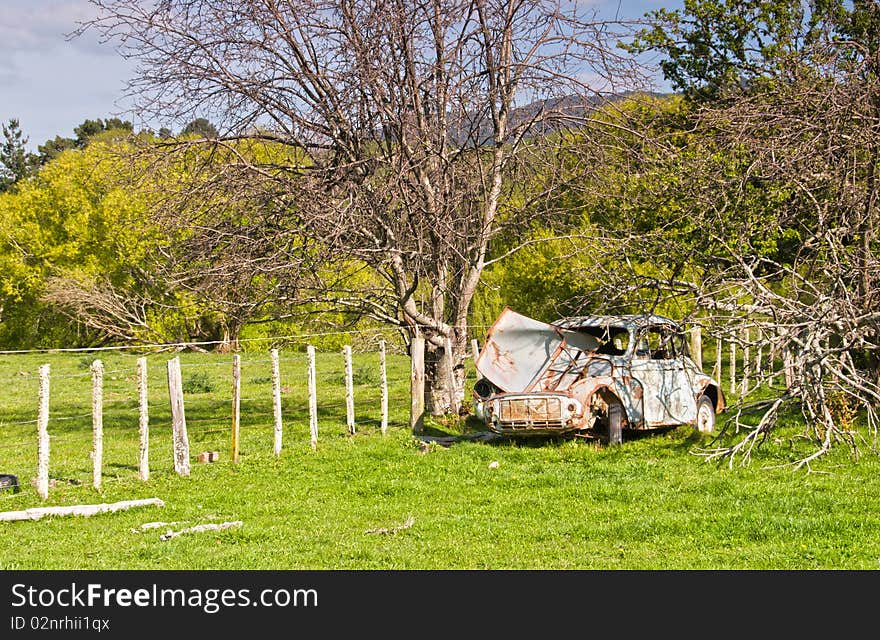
(52, 83)
(28, 26)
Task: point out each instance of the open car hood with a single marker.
(522, 354)
(517, 351)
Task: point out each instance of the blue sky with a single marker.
(52, 83)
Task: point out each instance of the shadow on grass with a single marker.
(121, 466)
(682, 437)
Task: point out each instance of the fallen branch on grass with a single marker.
(153, 525)
(199, 528)
(77, 510)
(406, 525)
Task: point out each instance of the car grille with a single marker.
(533, 412)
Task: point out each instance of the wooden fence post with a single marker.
(84, 510)
(771, 363)
(349, 391)
(276, 400)
(759, 355)
(236, 405)
(697, 346)
(475, 354)
(787, 367)
(313, 398)
(746, 364)
(417, 385)
(383, 374)
(178, 418)
(43, 434)
(732, 367)
(143, 421)
(97, 421)
(453, 392)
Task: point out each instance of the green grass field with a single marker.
(648, 504)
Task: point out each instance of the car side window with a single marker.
(656, 343)
(680, 345)
(643, 349)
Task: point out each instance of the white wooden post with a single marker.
(236, 405)
(746, 364)
(771, 363)
(759, 356)
(276, 401)
(787, 367)
(697, 346)
(716, 370)
(84, 510)
(143, 421)
(349, 391)
(475, 353)
(313, 398)
(178, 418)
(43, 434)
(97, 421)
(417, 385)
(732, 367)
(453, 391)
(383, 373)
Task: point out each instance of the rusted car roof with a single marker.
(637, 320)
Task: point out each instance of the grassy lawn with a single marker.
(560, 504)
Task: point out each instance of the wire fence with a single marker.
(352, 396)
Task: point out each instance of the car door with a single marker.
(667, 394)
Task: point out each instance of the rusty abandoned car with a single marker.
(597, 376)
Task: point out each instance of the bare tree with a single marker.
(758, 218)
(812, 146)
(397, 135)
(100, 306)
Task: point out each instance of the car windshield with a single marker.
(612, 341)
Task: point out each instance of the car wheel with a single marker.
(705, 415)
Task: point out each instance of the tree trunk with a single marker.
(444, 378)
(229, 343)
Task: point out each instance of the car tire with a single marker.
(705, 415)
(615, 423)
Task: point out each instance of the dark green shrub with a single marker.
(198, 382)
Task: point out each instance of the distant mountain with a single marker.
(550, 114)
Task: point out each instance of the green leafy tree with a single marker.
(85, 132)
(91, 128)
(83, 261)
(714, 47)
(786, 105)
(201, 127)
(15, 160)
(50, 149)
(71, 217)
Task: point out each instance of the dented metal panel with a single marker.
(517, 351)
(672, 399)
(523, 354)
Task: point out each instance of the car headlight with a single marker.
(572, 408)
(484, 389)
